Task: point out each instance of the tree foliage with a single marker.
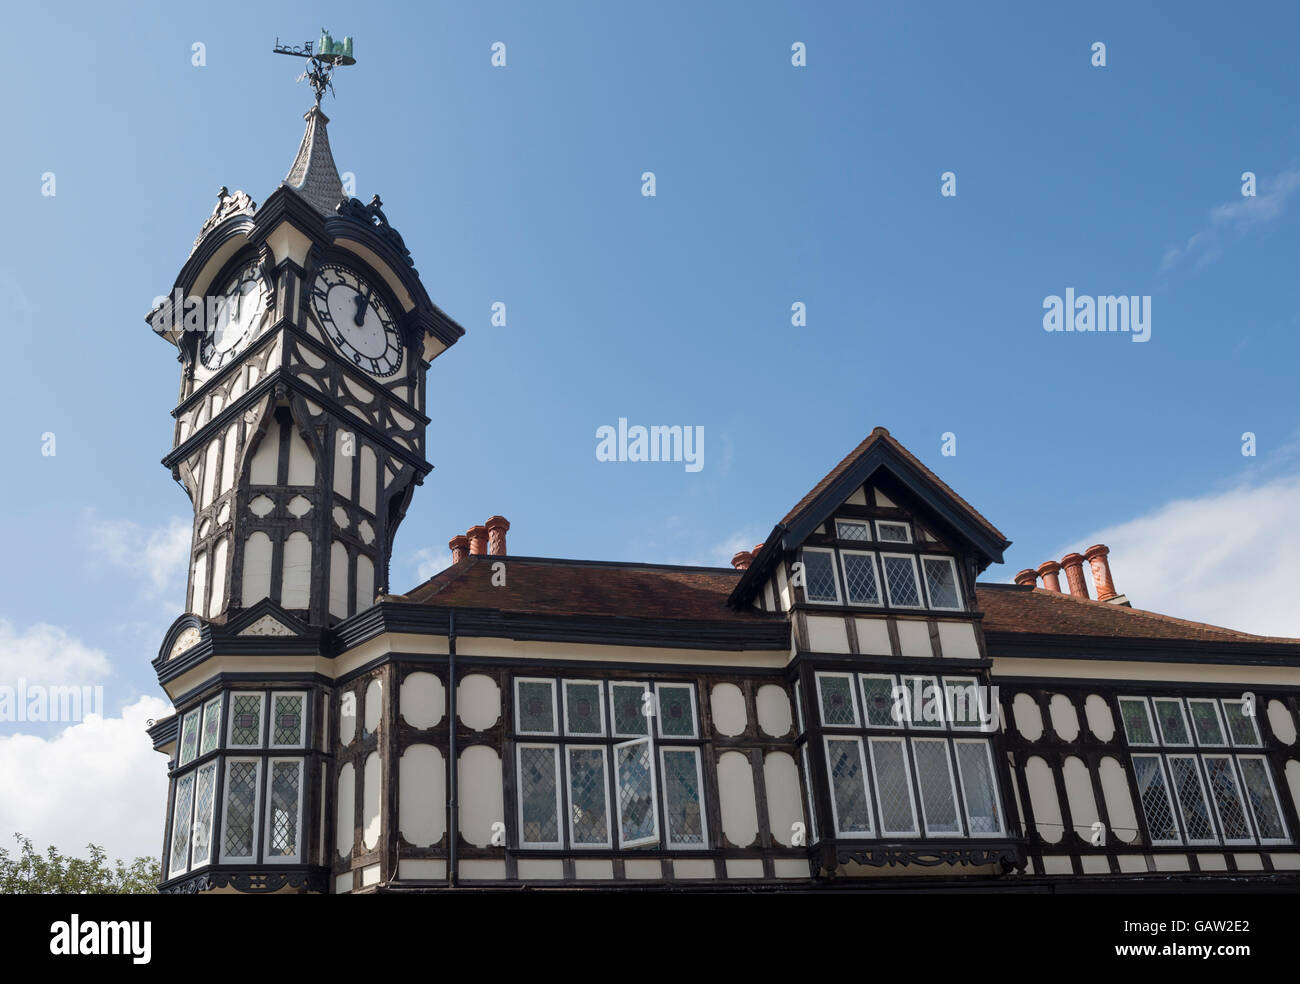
(31, 873)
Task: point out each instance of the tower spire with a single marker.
(314, 175)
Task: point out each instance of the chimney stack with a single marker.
(459, 548)
(496, 532)
(1096, 557)
(1073, 564)
(1027, 578)
(477, 540)
(1050, 571)
(754, 553)
(742, 560)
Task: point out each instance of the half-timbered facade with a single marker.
(847, 706)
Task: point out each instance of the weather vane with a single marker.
(329, 54)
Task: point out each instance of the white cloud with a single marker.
(156, 556)
(1239, 215)
(428, 562)
(720, 553)
(47, 655)
(1228, 558)
(98, 781)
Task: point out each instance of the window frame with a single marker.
(835, 576)
(916, 581)
(1242, 805)
(899, 742)
(608, 843)
(654, 837)
(658, 715)
(259, 780)
(1175, 812)
(870, 833)
(876, 573)
(958, 803)
(645, 688)
(555, 708)
(1254, 725)
(669, 844)
(1277, 801)
(268, 778)
(853, 703)
(1162, 739)
(1201, 780)
(1219, 720)
(302, 725)
(262, 710)
(1151, 724)
(907, 530)
(956, 583)
(864, 523)
(554, 748)
(190, 780)
(600, 708)
(991, 762)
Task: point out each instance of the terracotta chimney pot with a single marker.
(459, 548)
(1049, 571)
(757, 547)
(742, 560)
(1073, 564)
(1096, 556)
(1028, 577)
(477, 540)
(496, 531)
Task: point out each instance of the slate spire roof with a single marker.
(314, 175)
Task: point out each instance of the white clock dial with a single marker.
(357, 320)
(239, 315)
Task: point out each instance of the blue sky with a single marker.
(775, 184)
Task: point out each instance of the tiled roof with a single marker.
(537, 585)
(880, 434)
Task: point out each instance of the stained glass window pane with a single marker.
(588, 798)
(535, 706)
(893, 786)
(1205, 719)
(286, 782)
(1173, 726)
(1191, 798)
(852, 531)
(286, 719)
(860, 578)
(682, 812)
(837, 700)
(924, 702)
(539, 808)
(1227, 798)
(241, 809)
(630, 702)
(211, 730)
(878, 702)
(634, 772)
(941, 582)
(204, 796)
(246, 720)
(1137, 723)
(1263, 804)
(934, 775)
(676, 710)
(1155, 799)
(582, 708)
(893, 532)
(189, 738)
(819, 575)
(900, 576)
(1240, 724)
(966, 703)
(848, 785)
(181, 813)
(977, 786)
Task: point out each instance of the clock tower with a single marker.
(304, 336)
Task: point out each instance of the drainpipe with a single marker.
(453, 810)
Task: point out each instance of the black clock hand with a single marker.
(362, 303)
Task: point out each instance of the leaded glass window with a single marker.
(1156, 803)
(893, 787)
(900, 579)
(1241, 725)
(204, 802)
(1228, 804)
(683, 810)
(189, 738)
(1137, 721)
(239, 839)
(938, 791)
(1263, 799)
(539, 795)
(848, 786)
(284, 818)
(211, 730)
(852, 531)
(924, 702)
(287, 720)
(819, 575)
(1206, 722)
(1173, 723)
(588, 797)
(878, 697)
(887, 532)
(835, 694)
(1194, 809)
(676, 710)
(535, 707)
(965, 704)
(245, 720)
(634, 767)
(860, 582)
(629, 703)
(983, 809)
(941, 582)
(584, 712)
(182, 808)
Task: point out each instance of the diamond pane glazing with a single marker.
(849, 784)
(634, 766)
(1227, 797)
(1173, 726)
(1240, 725)
(965, 703)
(934, 774)
(892, 532)
(180, 852)
(941, 583)
(978, 788)
(676, 711)
(582, 709)
(285, 780)
(878, 702)
(852, 531)
(900, 575)
(286, 719)
(1155, 798)
(819, 576)
(1136, 723)
(924, 702)
(211, 726)
(682, 812)
(1191, 798)
(893, 786)
(241, 807)
(1263, 805)
(1205, 720)
(588, 796)
(536, 706)
(860, 578)
(538, 808)
(189, 738)
(837, 700)
(246, 720)
(203, 797)
(629, 708)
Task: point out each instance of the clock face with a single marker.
(357, 320)
(239, 316)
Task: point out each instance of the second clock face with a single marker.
(357, 320)
(238, 318)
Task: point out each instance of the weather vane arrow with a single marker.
(327, 56)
